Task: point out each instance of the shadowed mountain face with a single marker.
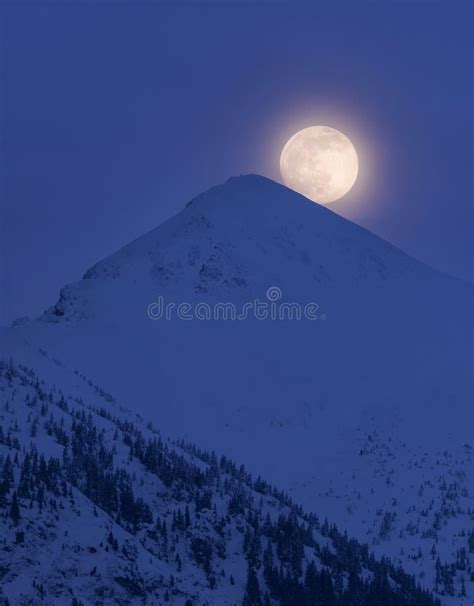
(390, 351)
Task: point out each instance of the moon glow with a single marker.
(320, 163)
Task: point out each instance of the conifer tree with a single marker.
(252, 595)
(15, 510)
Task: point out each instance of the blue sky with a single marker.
(114, 115)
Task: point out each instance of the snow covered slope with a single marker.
(96, 508)
(362, 414)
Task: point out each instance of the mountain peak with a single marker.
(249, 178)
(240, 237)
(239, 188)
(252, 181)
(251, 232)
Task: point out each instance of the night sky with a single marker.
(113, 116)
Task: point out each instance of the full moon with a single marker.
(319, 162)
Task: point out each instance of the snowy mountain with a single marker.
(360, 413)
